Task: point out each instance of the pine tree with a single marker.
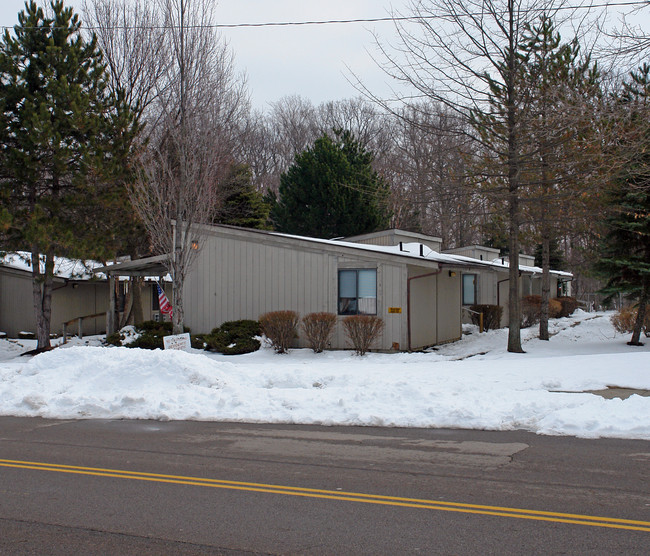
(64, 135)
(331, 190)
(243, 206)
(625, 248)
(562, 84)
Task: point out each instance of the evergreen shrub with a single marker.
(280, 327)
(114, 339)
(491, 316)
(318, 328)
(234, 337)
(150, 336)
(362, 330)
(242, 328)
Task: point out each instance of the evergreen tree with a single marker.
(243, 206)
(563, 85)
(63, 135)
(555, 255)
(625, 249)
(331, 190)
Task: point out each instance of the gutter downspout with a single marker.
(408, 300)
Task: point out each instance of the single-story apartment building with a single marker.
(487, 282)
(242, 273)
(77, 292)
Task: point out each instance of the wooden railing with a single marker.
(80, 324)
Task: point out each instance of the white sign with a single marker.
(178, 341)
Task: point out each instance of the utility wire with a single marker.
(342, 21)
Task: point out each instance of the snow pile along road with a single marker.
(473, 383)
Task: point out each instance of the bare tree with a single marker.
(464, 55)
(626, 43)
(199, 101)
(132, 40)
(133, 43)
(430, 151)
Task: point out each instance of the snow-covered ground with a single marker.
(473, 383)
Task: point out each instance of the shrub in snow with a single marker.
(234, 337)
(318, 328)
(146, 335)
(569, 305)
(123, 337)
(624, 321)
(362, 330)
(280, 328)
(491, 316)
(531, 309)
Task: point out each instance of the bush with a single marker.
(242, 328)
(234, 337)
(624, 320)
(280, 327)
(148, 340)
(569, 305)
(164, 328)
(147, 335)
(114, 339)
(197, 341)
(491, 316)
(531, 309)
(362, 330)
(318, 328)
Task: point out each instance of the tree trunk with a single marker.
(42, 294)
(546, 285)
(514, 310)
(128, 305)
(138, 312)
(178, 315)
(640, 316)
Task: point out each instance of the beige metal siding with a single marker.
(241, 276)
(234, 279)
(16, 303)
(87, 298)
(449, 306)
(423, 307)
(389, 238)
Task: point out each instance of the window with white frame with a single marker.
(358, 291)
(470, 281)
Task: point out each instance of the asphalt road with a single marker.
(145, 487)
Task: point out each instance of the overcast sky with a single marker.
(309, 61)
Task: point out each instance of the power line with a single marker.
(629, 3)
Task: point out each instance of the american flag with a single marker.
(165, 305)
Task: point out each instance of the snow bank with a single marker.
(473, 383)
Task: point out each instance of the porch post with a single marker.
(110, 315)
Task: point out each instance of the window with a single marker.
(358, 292)
(469, 289)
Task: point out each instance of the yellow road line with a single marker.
(537, 515)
